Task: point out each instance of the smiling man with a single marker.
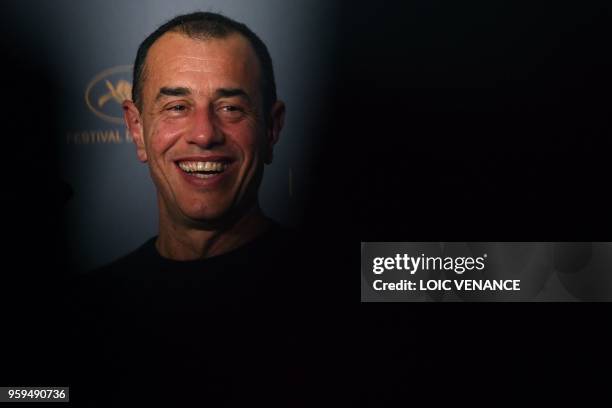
(212, 305)
(205, 118)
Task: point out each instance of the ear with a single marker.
(275, 125)
(132, 119)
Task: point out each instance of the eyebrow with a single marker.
(230, 92)
(219, 93)
(178, 91)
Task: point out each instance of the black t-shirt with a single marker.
(225, 331)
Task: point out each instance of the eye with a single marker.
(231, 112)
(230, 108)
(177, 109)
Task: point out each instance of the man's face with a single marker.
(202, 126)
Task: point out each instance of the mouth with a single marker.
(202, 169)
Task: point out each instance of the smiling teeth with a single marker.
(194, 166)
(204, 176)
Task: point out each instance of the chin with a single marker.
(207, 215)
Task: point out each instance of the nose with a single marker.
(204, 132)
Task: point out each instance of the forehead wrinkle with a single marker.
(187, 60)
(186, 63)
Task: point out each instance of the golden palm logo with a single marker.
(106, 92)
(121, 92)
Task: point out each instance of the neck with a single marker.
(185, 243)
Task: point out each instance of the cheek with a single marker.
(164, 135)
(249, 141)
(251, 153)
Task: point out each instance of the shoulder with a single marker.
(105, 278)
(279, 245)
(143, 256)
(280, 234)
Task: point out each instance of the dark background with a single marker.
(445, 121)
(35, 279)
(478, 120)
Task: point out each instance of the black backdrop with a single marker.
(477, 121)
(480, 121)
(486, 121)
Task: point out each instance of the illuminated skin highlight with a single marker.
(202, 99)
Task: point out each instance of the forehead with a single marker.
(175, 57)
